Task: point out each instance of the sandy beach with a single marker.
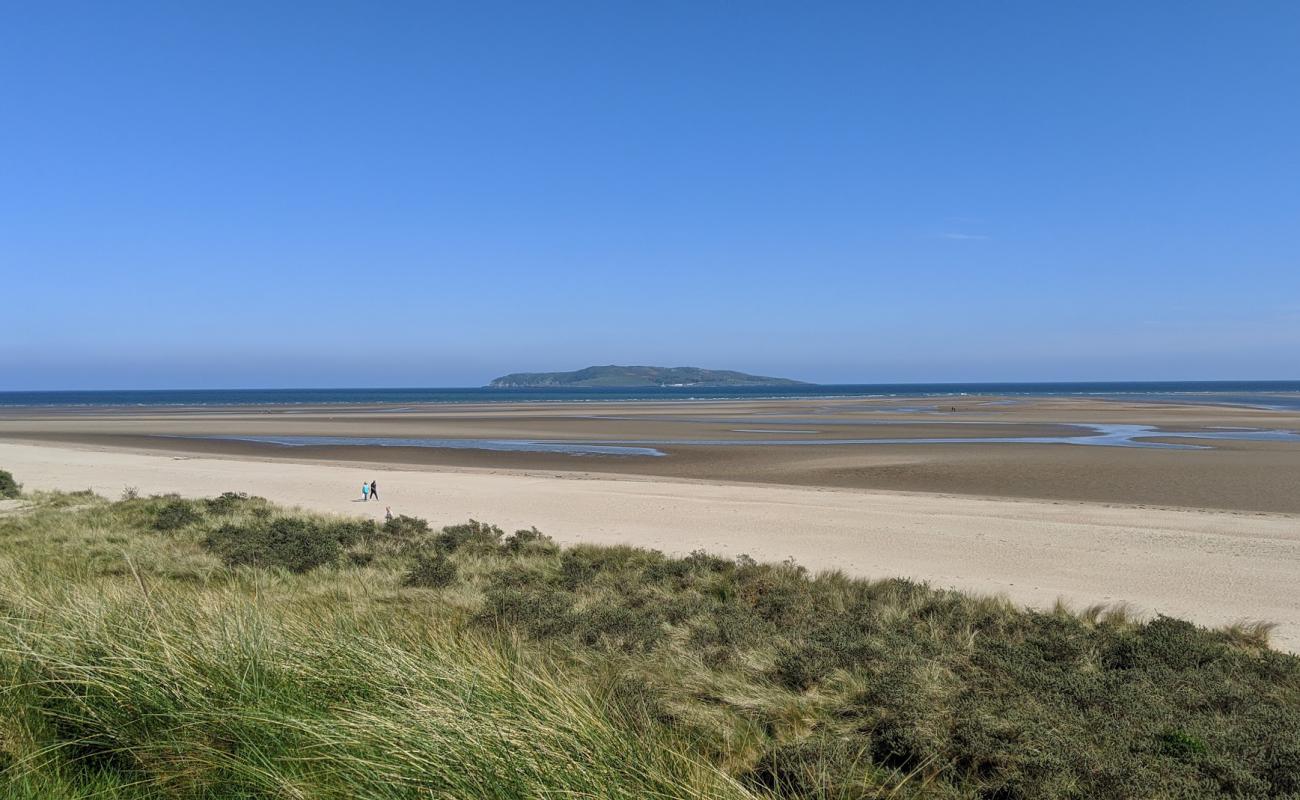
(1083, 543)
(782, 442)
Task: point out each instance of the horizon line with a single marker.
(803, 385)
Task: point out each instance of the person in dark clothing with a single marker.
(374, 490)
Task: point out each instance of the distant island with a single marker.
(635, 377)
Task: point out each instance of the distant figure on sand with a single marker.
(388, 514)
(365, 491)
(374, 490)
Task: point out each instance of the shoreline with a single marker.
(577, 469)
(1246, 477)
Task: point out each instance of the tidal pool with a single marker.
(1097, 435)
(1091, 434)
(510, 445)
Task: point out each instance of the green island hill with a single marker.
(612, 376)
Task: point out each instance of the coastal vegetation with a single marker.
(9, 487)
(163, 647)
(612, 376)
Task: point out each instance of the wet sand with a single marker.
(1233, 475)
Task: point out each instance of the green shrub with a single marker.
(350, 532)
(729, 627)
(1176, 644)
(617, 627)
(8, 486)
(776, 593)
(404, 527)
(1181, 745)
(580, 565)
(901, 744)
(577, 567)
(431, 572)
(541, 612)
(229, 502)
(1282, 768)
(530, 540)
(519, 576)
(292, 543)
(473, 535)
(802, 667)
(674, 573)
(176, 514)
(701, 561)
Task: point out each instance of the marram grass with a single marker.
(227, 697)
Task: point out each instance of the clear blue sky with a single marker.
(247, 194)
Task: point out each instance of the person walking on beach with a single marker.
(388, 514)
(374, 490)
(365, 491)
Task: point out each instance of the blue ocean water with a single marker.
(1282, 395)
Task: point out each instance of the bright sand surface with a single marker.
(1210, 566)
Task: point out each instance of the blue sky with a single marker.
(244, 194)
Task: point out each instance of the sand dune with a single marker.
(1214, 567)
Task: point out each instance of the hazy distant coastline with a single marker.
(1263, 394)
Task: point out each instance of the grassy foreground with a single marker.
(225, 648)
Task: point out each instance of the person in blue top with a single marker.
(365, 491)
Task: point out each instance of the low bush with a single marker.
(582, 564)
(292, 543)
(351, 532)
(540, 612)
(728, 627)
(9, 488)
(617, 627)
(175, 514)
(431, 572)
(529, 541)
(701, 561)
(229, 502)
(778, 593)
(473, 536)
(577, 568)
(404, 527)
(1181, 745)
(800, 667)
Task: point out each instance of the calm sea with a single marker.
(1264, 394)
